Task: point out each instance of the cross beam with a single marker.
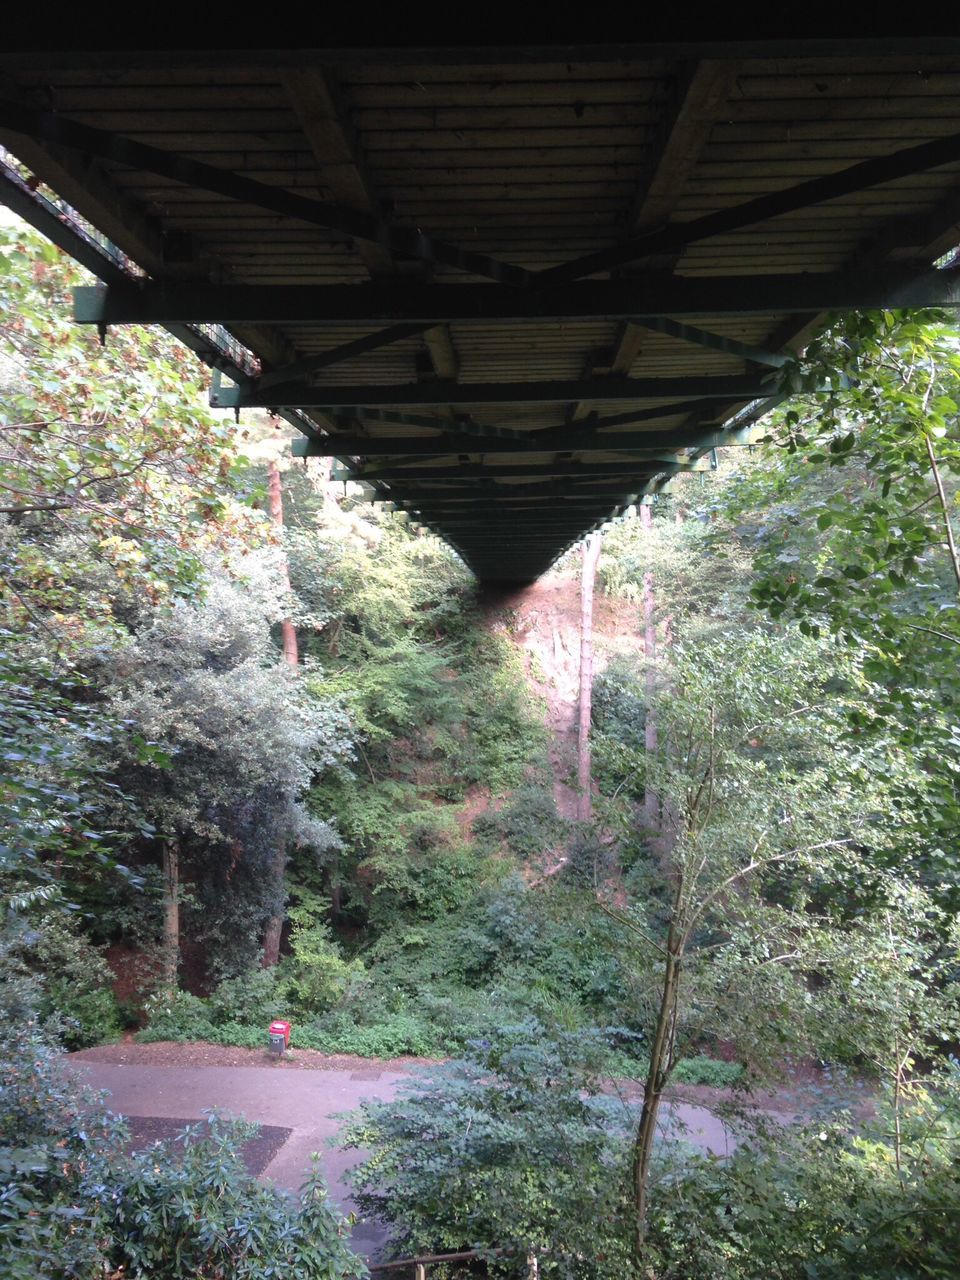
(570, 442)
(53, 129)
(857, 177)
(633, 298)
(336, 397)
(470, 471)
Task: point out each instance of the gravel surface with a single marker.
(256, 1152)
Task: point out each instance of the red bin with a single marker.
(279, 1036)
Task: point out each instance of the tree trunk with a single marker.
(661, 1055)
(591, 554)
(651, 803)
(278, 865)
(288, 630)
(171, 912)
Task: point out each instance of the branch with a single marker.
(628, 924)
(756, 864)
(50, 506)
(954, 558)
(930, 631)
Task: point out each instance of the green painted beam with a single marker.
(714, 341)
(396, 475)
(803, 195)
(345, 351)
(56, 129)
(572, 441)
(912, 284)
(443, 392)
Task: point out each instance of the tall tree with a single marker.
(591, 554)
(274, 925)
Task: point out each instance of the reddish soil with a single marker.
(170, 1053)
(544, 621)
(476, 801)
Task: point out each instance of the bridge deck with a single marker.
(514, 289)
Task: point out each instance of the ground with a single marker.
(543, 619)
(297, 1099)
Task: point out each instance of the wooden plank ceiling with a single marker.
(510, 290)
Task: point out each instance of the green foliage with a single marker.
(53, 1153)
(116, 474)
(827, 1201)
(234, 740)
(707, 1071)
(527, 823)
(437, 704)
(699, 579)
(194, 1210)
(866, 554)
(73, 1204)
(510, 1146)
(58, 805)
(315, 975)
(75, 981)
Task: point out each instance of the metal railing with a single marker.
(421, 1265)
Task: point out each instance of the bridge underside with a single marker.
(510, 291)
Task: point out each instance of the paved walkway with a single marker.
(306, 1102)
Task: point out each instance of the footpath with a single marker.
(305, 1102)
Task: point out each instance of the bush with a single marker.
(193, 1210)
(177, 1016)
(509, 1146)
(528, 823)
(75, 981)
(253, 997)
(53, 1152)
(391, 1036)
(315, 976)
(73, 1205)
(817, 1201)
(708, 1071)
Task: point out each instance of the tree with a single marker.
(115, 483)
(509, 1147)
(222, 741)
(865, 544)
(114, 473)
(849, 516)
(774, 827)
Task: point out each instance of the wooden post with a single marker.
(651, 804)
(274, 925)
(591, 554)
(533, 1267)
(420, 1273)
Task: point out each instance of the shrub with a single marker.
(253, 997)
(73, 1205)
(192, 1210)
(177, 1016)
(53, 1151)
(315, 975)
(708, 1071)
(831, 1201)
(509, 1146)
(74, 977)
(528, 823)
